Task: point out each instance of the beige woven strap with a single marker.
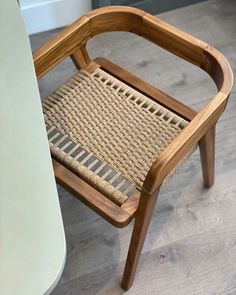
(113, 122)
(97, 172)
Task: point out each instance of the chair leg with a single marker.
(142, 221)
(207, 152)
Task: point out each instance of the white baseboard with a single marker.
(50, 14)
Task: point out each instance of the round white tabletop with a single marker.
(32, 240)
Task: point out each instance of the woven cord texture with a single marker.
(115, 122)
(96, 172)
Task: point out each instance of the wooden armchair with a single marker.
(114, 138)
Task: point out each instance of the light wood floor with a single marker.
(191, 245)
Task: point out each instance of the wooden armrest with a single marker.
(220, 70)
(61, 46)
(184, 143)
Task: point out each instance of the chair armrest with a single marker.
(61, 46)
(219, 69)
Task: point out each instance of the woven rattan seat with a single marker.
(107, 132)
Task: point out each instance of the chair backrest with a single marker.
(119, 18)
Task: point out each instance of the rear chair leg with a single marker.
(207, 152)
(142, 221)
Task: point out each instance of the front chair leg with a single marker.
(142, 221)
(207, 152)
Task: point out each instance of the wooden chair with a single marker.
(114, 138)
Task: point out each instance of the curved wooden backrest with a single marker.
(119, 18)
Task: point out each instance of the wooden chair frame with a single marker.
(200, 130)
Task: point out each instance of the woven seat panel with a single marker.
(112, 122)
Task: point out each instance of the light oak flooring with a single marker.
(191, 245)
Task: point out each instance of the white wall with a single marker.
(30, 2)
(43, 15)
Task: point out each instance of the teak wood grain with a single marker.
(141, 225)
(80, 57)
(200, 130)
(207, 151)
(91, 197)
